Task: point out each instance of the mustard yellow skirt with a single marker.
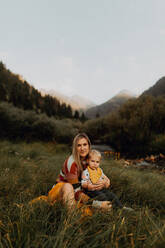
(55, 195)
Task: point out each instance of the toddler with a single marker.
(94, 175)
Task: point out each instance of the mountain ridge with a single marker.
(109, 106)
(158, 89)
(76, 102)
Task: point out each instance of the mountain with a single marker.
(75, 101)
(111, 105)
(158, 89)
(82, 102)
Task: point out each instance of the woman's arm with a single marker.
(69, 172)
(85, 180)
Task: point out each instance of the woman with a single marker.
(68, 184)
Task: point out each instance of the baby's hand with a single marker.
(100, 183)
(103, 182)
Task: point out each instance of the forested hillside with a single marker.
(109, 106)
(158, 89)
(138, 128)
(26, 115)
(20, 93)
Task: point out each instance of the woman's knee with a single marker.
(68, 194)
(67, 188)
(61, 191)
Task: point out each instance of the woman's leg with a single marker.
(62, 192)
(68, 195)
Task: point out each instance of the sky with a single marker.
(91, 48)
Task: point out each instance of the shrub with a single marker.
(17, 124)
(158, 144)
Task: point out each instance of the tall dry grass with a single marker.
(30, 170)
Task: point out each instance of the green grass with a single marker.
(30, 170)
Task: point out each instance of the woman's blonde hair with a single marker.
(75, 154)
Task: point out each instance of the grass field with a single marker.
(29, 170)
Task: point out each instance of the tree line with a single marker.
(17, 91)
(138, 128)
(17, 124)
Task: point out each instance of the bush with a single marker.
(158, 144)
(17, 124)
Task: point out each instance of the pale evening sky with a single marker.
(93, 48)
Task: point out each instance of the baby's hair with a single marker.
(95, 152)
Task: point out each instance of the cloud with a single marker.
(99, 72)
(131, 59)
(67, 87)
(66, 63)
(4, 56)
(63, 66)
(63, 75)
(162, 32)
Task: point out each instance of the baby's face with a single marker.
(94, 162)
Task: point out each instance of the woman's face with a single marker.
(83, 147)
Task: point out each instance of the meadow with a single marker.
(29, 170)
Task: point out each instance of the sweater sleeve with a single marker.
(70, 171)
(85, 177)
